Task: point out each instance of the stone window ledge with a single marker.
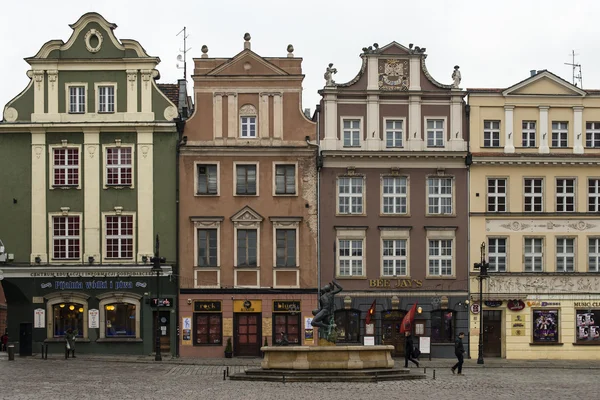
(120, 340)
(62, 340)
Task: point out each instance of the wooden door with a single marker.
(390, 327)
(247, 338)
(492, 333)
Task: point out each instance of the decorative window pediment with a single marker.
(246, 217)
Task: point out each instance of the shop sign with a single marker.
(91, 274)
(493, 303)
(475, 308)
(93, 318)
(247, 306)
(395, 283)
(543, 303)
(286, 306)
(587, 304)
(515, 305)
(518, 331)
(162, 302)
(93, 285)
(207, 306)
(39, 318)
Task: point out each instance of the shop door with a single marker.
(247, 328)
(25, 339)
(390, 326)
(492, 333)
(164, 323)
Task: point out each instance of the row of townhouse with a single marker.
(390, 187)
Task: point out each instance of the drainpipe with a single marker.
(468, 162)
(181, 141)
(319, 162)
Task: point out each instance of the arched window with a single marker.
(348, 326)
(442, 326)
(64, 311)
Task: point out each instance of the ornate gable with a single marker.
(246, 217)
(247, 63)
(544, 83)
(394, 48)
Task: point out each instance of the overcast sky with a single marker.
(495, 43)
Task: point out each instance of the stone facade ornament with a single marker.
(456, 77)
(543, 284)
(329, 72)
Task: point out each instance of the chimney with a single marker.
(182, 96)
(247, 38)
(532, 72)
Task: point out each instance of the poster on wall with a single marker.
(93, 318)
(545, 326)
(309, 336)
(39, 318)
(186, 337)
(588, 326)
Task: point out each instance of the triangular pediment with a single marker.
(247, 63)
(544, 83)
(394, 48)
(247, 214)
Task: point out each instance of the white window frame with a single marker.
(491, 135)
(440, 196)
(562, 134)
(207, 163)
(360, 132)
(533, 254)
(593, 198)
(121, 297)
(564, 195)
(351, 234)
(245, 127)
(105, 148)
(200, 223)
(436, 129)
(394, 131)
(394, 196)
(592, 134)
(350, 195)
(494, 255)
(97, 96)
(105, 236)
(275, 165)
(560, 252)
(595, 254)
(65, 297)
(496, 196)
(440, 234)
(51, 238)
(68, 87)
(533, 195)
(51, 166)
(235, 166)
(527, 132)
(395, 234)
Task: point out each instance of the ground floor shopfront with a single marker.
(208, 318)
(558, 319)
(112, 309)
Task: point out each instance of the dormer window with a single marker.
(77, 99)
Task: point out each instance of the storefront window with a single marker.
(348, 326)
(208, 329)
(442, 326)
(120, 320)
(288, 325)
(588, 326)
(68, 316)
(545, 326)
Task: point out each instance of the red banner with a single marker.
(370, 313)
(407, 322)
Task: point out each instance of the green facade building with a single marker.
(88, 175)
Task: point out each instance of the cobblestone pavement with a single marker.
(87, 379)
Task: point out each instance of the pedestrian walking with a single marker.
(70, 342)
(459, 351)
(409, 349)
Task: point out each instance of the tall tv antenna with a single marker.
(576, 70)
(184, 52)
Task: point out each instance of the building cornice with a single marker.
(79, 126)
(241, 151)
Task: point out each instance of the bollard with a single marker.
(224, 375)
(46, 345)
(283, 378)
(425, 370)
(434, 374)
(227, 371)
(11, 352)
(42, 350)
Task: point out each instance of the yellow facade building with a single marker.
(535, 204)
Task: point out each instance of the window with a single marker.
(491, 134)
(394, 257)
(435, 133)
(351, 133)
(76, 99)
(207, 248)
(288, 325)
(594, 254)
(245, 183)
(565, 195)
(442, 326)
(587, 326)
(120, 320)
(285, 179)
(348, 326)
(529, 134)
(439, 195)
(534, 195)
(285, 247)
(106, 99)
(65, 166)
(207, 179)
(545, 326)
(593, 195)
(559, 134)
(394, 195)
(68, 316)
(119, 236)
(350, 257)
(565, 254)
(350, 195)
(496, 195)
(393, 133)
(119, 166)
(248, 127)
(247, 248)
(66, 239)
(208, 329)
(497, 254)
(440, 257)
(592, 134)
(533, 255)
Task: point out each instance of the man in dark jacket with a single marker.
(459, 351)
(409, 348)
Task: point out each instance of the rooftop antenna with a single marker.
(576, 70)
(184, 51)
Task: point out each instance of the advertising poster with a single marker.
(39, 318)
(588, 326)
(93, 318)
(545, 326)
(186, 337)
(309, 336)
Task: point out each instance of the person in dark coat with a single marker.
(70, 342)
(409, 348)
(459, 351)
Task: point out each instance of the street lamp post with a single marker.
(156, 261)
(483, 274)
